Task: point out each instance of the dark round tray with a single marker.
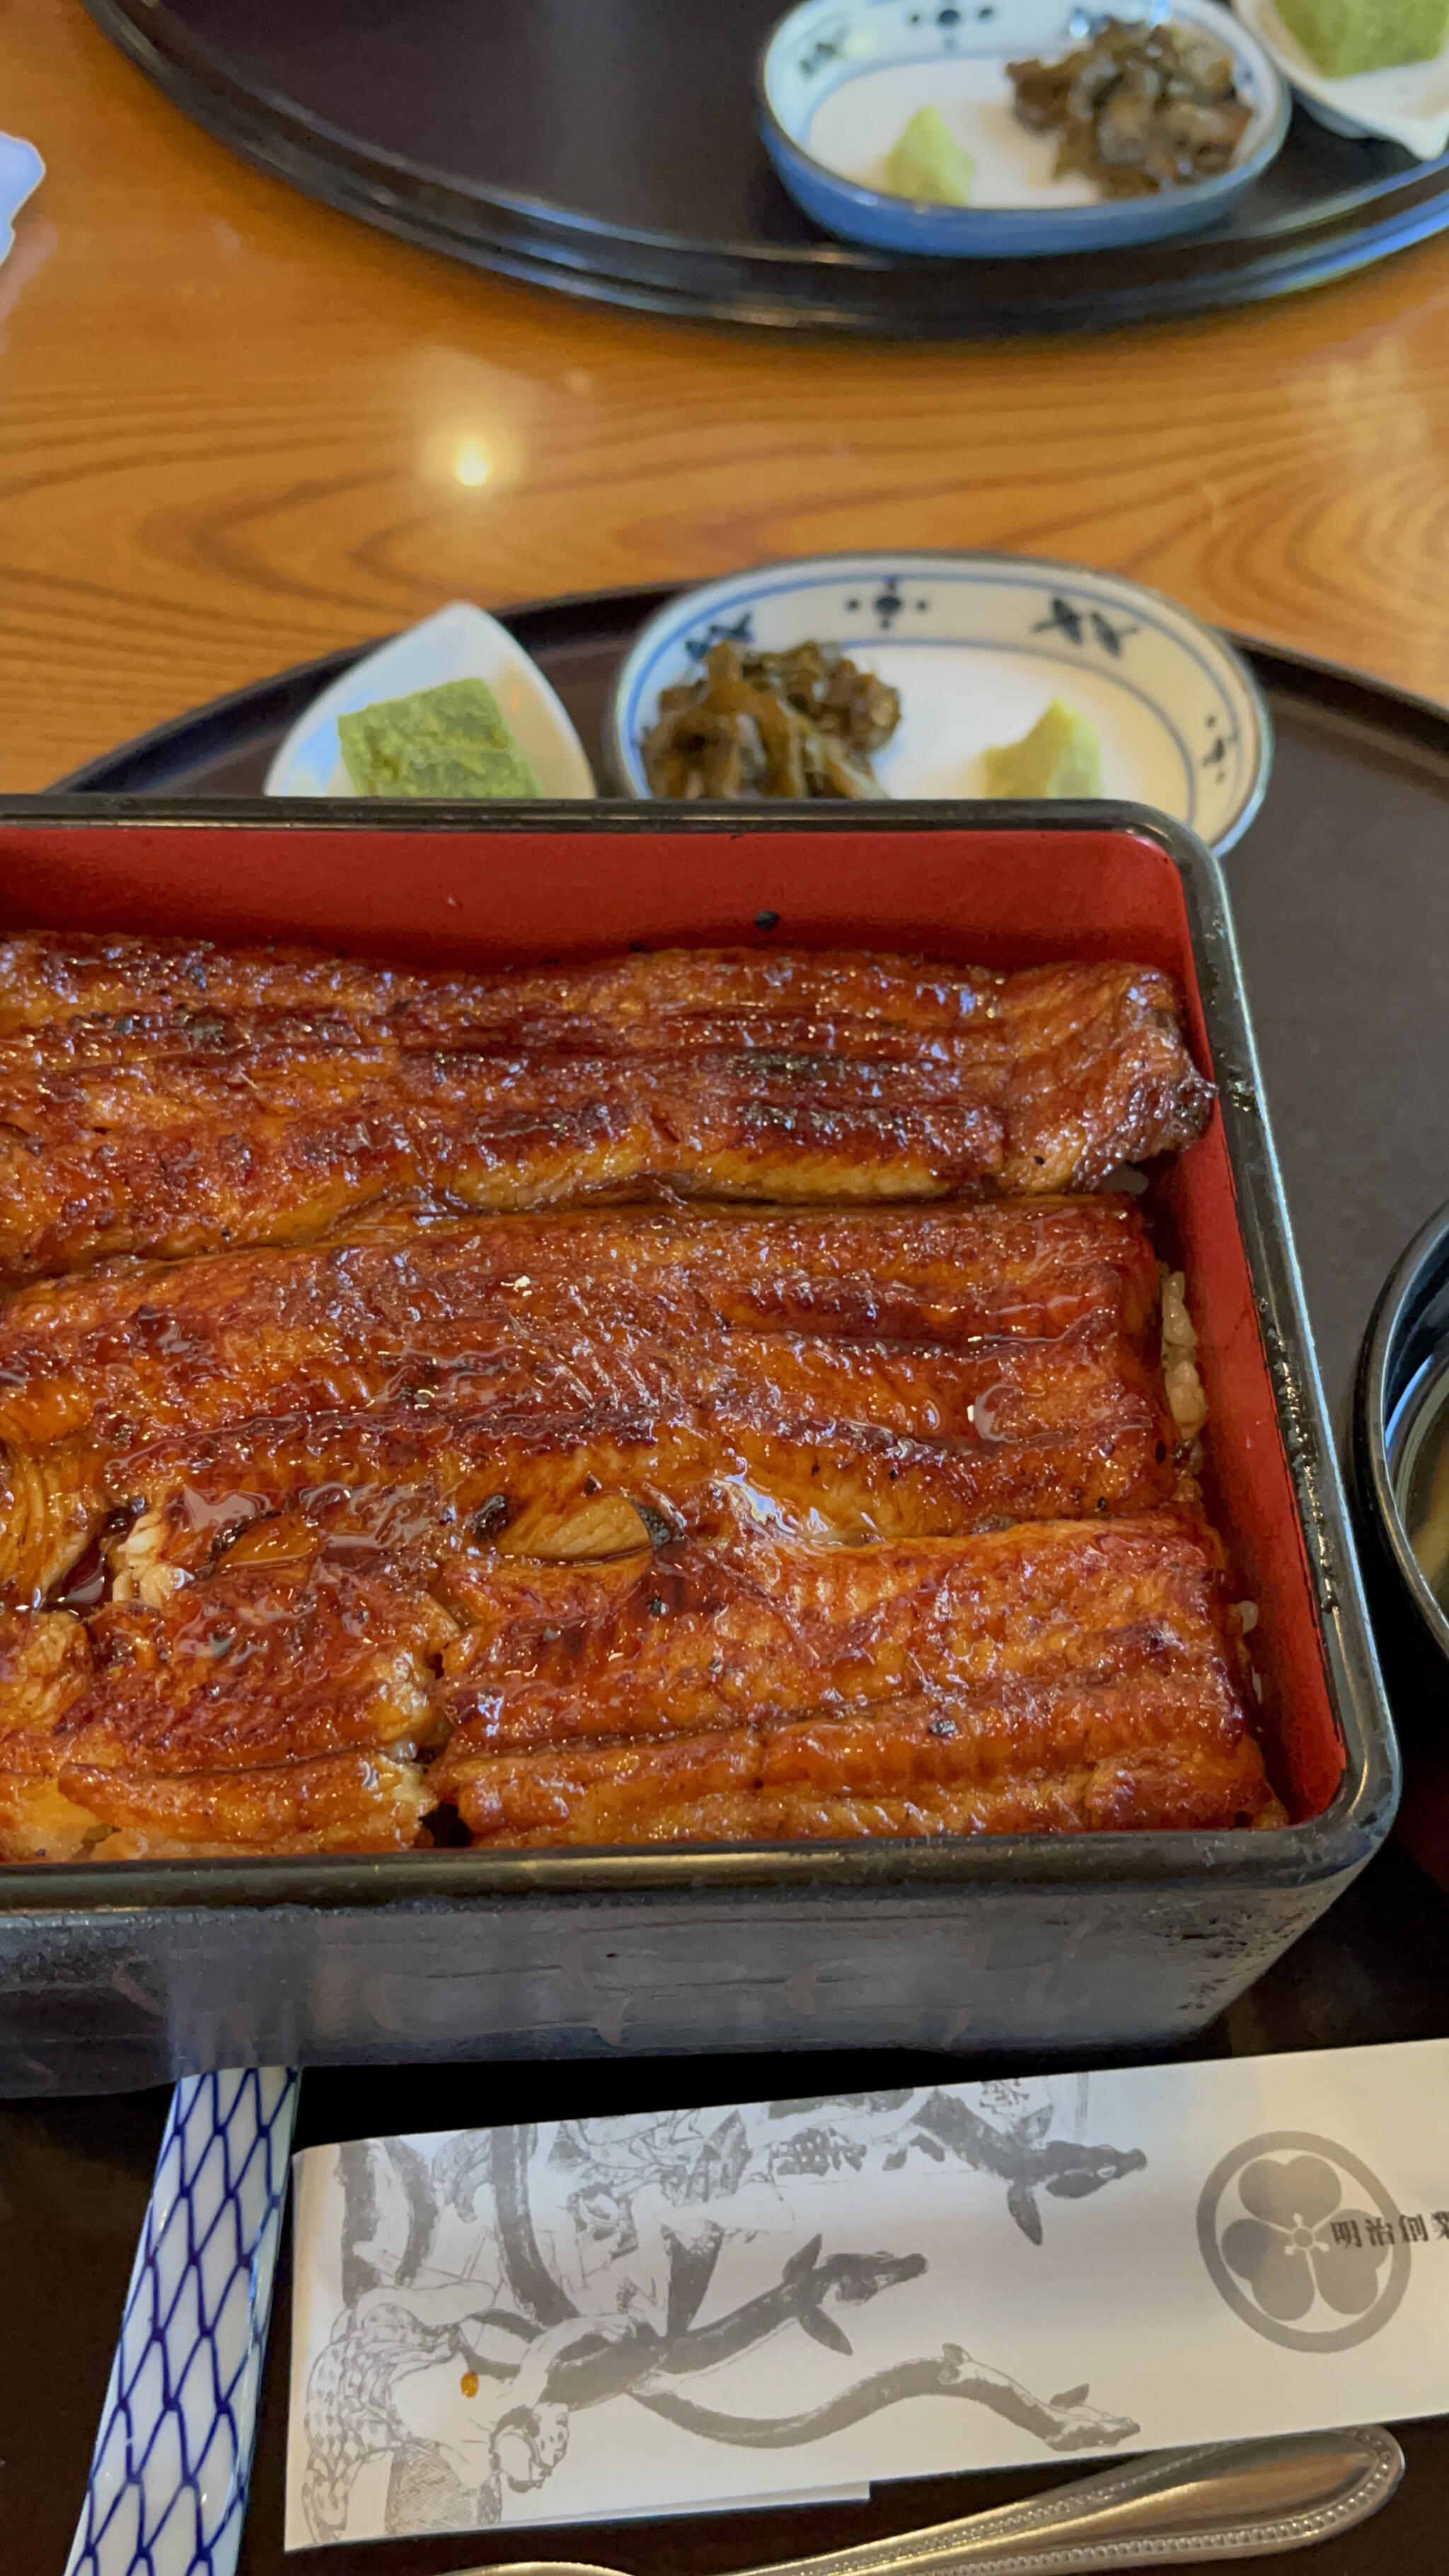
(1342, 902)
(608, 148)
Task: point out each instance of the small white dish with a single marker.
(459, 643)
(1408, 104)
(978, 646)
(21, 172)
(839, 80)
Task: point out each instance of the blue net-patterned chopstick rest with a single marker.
(168, 2484)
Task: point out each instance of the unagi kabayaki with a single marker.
(1063, 1677)
(362, 1486)
(1054, 1675)
(542, 1381)
(249, 1713)
(178, 1101)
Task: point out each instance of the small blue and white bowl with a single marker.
(978, 646)
(839, 80)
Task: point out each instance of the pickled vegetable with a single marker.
(1138, 107)
(802, 723)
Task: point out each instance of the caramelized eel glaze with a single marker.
(660, 1400)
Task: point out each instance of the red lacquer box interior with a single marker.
(991, 886)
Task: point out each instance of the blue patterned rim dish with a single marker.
(977, 645)
(825, 47)
(167, 2494)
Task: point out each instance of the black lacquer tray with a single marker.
(1342, 899)
(608, 148)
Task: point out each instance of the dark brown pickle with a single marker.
(802, 723)
(1137, 108)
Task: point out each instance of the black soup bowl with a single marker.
(1399, 1484)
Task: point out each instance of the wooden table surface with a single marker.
(237, 429)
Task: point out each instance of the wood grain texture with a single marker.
(238, 430)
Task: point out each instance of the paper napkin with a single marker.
(680, 2311)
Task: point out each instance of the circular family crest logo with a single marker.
(1303, 2241)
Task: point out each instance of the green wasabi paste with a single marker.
(1061, 756)
(929, 165)
(448, 741)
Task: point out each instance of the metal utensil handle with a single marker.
(168, 2483)
(1223, 2500)
(1239, 2500)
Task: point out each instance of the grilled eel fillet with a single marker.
(562, 1384)
(1058, 1676)
(175, 1100)
(250, 1714)
(1051, 1676)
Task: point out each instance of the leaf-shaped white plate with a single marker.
(1408, 104)
(459, 643)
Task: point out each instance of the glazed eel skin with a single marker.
(545, 1381)
(178, 1100)
(362, 1482)
(280, 1527)
(1055, 1676)
(1048, 1676)
(249, 1714)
